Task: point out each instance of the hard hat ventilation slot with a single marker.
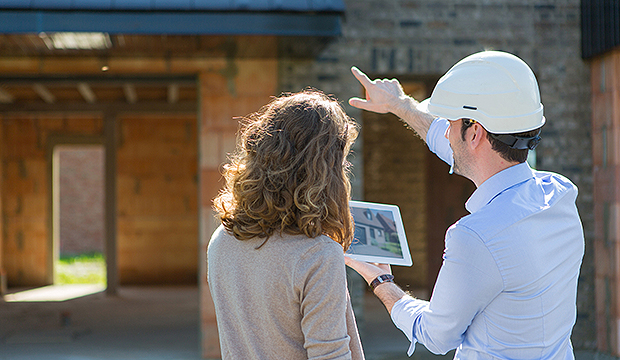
(469, 107)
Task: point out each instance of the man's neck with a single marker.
(489, 167)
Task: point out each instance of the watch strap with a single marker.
(380, 280)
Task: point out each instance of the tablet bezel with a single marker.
(405, 260)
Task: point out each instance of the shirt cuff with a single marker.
(404, 313)
(437, 142)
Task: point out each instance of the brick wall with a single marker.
(606, 159)
(3, 279)
(223, 99)
(26, 191)
(157, 202)
(81, 199)
(157, 198)
(417, 39)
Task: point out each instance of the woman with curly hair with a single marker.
(276, 264)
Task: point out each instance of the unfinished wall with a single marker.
(606, 159)
(3, 280)
(247, 89)
(394, 173)
(157, 199)
(81, 198)
(26, 191)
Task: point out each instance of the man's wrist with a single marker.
(403, 106)
(406, 110)
(381, 279)
(389, 294)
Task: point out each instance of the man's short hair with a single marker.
(505, 151)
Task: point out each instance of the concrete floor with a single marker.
(139, 323)
(153, 323)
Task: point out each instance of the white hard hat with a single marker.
(495, 88)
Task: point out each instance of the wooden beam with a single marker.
(43, 93)
(173, 93)
(68, 80)
(5, 97)
(119, 107)
(130, 93)
(87, 93)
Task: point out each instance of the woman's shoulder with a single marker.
(321, 249)
(305, 243)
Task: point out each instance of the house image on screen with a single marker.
(373, 228)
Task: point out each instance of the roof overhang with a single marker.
(600, 27)
(179, 17)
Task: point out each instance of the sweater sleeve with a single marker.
(321, 289)
(355, 344)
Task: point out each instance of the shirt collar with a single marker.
(496, 184)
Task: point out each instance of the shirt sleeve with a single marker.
(320, 280)
(468, 281)
(437, 142)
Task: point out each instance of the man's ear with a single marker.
(478, 135)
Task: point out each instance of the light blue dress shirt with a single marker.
(507, 288)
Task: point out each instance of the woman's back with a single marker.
(284, 300)
(276, 265)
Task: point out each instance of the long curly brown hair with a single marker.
(289, 172)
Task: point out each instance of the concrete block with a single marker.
(210, 337)
(210, 150)
(228, 145)
(196, 65)
(54, 124)
(211, 181)
(84, 125)
(218, 112)
(612, 71)
(212, 84)
(256, 77)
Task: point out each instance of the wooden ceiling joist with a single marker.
(173, 93)
(87, 93)
(25, 92)
(130, 93)
(44, 93)
(5, 97)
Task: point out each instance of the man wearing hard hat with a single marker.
(507, 287)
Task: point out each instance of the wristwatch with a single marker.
(380, 280)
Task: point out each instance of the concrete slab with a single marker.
(139, 323)
(150, 323)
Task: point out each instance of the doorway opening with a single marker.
(78, 225)
(79, 215)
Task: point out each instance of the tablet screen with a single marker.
(379, 234)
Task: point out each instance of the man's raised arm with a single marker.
(387, 96)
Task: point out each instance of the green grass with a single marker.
(81, 269)
(393, 248)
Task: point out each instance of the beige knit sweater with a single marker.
(287, 300)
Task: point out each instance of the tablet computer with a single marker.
(379, 234)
